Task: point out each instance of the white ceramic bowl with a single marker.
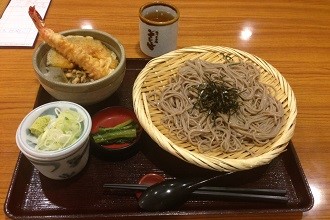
(60, 164)
(83, 93)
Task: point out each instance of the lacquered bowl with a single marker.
(110, 117)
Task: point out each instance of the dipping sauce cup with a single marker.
(158, 28)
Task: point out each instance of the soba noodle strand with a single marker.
(258, 119)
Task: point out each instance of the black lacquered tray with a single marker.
(33, 196)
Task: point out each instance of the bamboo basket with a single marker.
(156, 74)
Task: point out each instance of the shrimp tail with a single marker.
(40, 25)
(36, 18)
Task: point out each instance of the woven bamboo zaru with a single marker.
(156, 74)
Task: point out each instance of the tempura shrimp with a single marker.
(95, 67)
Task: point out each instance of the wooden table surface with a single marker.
(294, 36)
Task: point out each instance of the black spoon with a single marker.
(170, 194)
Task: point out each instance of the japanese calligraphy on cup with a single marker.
(158, 28)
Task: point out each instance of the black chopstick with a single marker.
(205, 188)
(267, 195)
(244, 196)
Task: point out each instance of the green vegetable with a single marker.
(125, 132)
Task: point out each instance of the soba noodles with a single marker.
(257, 119)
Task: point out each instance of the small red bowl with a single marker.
(110, 117)
(149, 180)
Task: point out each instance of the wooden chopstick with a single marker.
(270, 195)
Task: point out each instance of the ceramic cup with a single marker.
(59, 164)
(158, 28)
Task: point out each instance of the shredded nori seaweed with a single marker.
(217, 97)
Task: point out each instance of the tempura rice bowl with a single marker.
(82, 93)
